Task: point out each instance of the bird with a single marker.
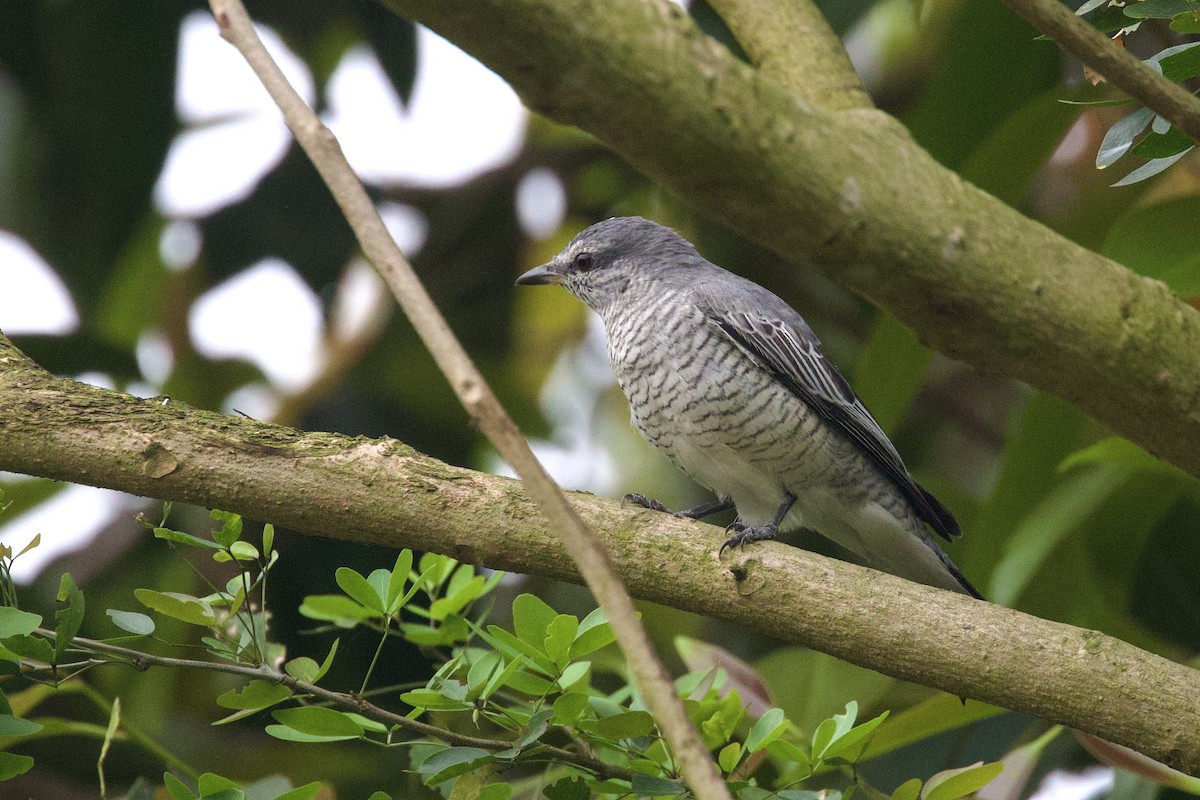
(731, 384)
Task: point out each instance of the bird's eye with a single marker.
(583, 262)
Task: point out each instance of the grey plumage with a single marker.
(731, 384)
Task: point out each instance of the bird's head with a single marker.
(604, 261)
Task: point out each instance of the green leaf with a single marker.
(569, 707)
(14, 622)
(573, 674)
(288, 734)
(179, 537)
(1179, 63)
(509, 643)
(796, 761)
(183, 607)
(940, 713)
(451, 762)
(729, 756)
(12, 765)
(626, 725)
(1115, 451)
(856, 736)
(531, 618)
(1048, 525)
(560, 635)
(177, 788)
(909, 790)
(328, 662)
(501, 677)
(594, 632)
(481, 671)
(34, 647)
(243, 551)
(433, 700)
(215, 787)
(495, 791)
(952, 784)
(359, 588)
(335, 608)
(766, 729)
(302, 669)
(69, 618)
(460, 596)
(268, 539)
(572, 788)
(305, 792)
(18, 726)
(34, 542)
(319, 721)
(1163, 145)
(399, 574)
(528, 684)
(654, 786)
(1186, 23)
(132, 621)
(231, 527)
(1157, 9)
(254, 696)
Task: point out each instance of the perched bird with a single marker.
(730, 383)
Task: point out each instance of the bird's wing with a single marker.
(787, 347)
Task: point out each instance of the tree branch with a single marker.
(383, 492)
(790, 42)
(853, 195)
(1119, 67)
(581, 544)
(141, 661)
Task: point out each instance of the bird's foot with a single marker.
(633, 498)
(745, 534)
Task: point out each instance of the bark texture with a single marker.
(381, 491)
(849, 192)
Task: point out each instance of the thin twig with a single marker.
(1118, 66)
(581, 543)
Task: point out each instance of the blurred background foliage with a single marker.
(1061, 520)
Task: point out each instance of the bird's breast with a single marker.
(713, 410)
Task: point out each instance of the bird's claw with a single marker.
(745, 534)
(645, 502)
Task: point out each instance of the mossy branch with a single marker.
(852, 194)
(380, 491)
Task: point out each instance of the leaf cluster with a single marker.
(542, 709)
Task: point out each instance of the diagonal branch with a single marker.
(790, 42)
(1119, 67)
(582, 545)
(383, 492)
(853, 195)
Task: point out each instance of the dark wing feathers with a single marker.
(791, 351)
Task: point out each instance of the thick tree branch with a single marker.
(1119, 67)
(581, 544)
(383, 492)
(851, 193)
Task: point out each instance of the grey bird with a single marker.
(731, 384)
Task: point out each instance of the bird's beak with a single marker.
(546, 273)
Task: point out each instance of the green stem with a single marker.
(143, 661)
